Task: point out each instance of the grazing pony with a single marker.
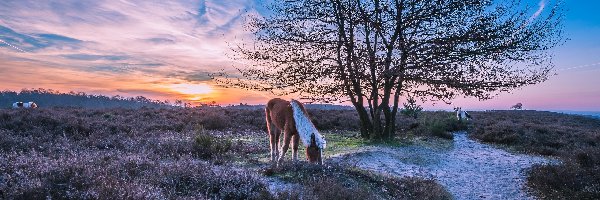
(24, 105)
(460, 115)
(291, 118)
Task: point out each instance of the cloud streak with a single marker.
(542, 5)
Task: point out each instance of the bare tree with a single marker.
(374, 52)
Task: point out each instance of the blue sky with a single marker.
(577, 83)
(161, 49)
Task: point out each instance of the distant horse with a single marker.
(518, 106)
(293, 120)
(462, 114)
(24, 105)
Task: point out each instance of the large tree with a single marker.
(375, 52)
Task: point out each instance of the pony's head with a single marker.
(313, 152)
(312, 140)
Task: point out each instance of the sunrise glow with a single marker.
(192, 89)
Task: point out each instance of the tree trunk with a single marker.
(376, 133)
(366, 126)
(394, 112)
(389, 123)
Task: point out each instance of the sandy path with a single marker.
(469, 169)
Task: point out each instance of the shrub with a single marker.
(565, 181)
(335, 119)
(208, 146)
(288, 195)
(439, 129)
(190, 179)
(411, 108)
(332, 188)
(456, 125)
(418, 188)
(215, 120)
(438, 124)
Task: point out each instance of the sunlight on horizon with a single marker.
(192, 89)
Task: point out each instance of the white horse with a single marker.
(24, 105)
(460, 115)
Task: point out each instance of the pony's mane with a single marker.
(305, 127)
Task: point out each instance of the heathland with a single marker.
(222, 153)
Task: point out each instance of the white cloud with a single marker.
(542, 5)
(179, 34)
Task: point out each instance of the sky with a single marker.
(165, 50)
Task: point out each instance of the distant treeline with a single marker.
(52, 98)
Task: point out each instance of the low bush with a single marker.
(332, 188)
(438, 124)
(207, 146)
(190, 179)
(411, 108)
(567, 181)
(335, 119)
(215, 120)
(438, 129)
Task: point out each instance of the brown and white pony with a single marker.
(460, 114)
(24, 105)
(291, 118)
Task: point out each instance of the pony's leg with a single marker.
(273, 136)
(277, 133)
(286, 144)
(273, 145)
(295, 142)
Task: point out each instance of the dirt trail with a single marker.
(469, 169)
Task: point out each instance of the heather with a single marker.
(169, 153)
(573, 139)
(70, 153)
(324, 183)
(221, 153)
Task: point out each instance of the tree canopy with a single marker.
(374, 52)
